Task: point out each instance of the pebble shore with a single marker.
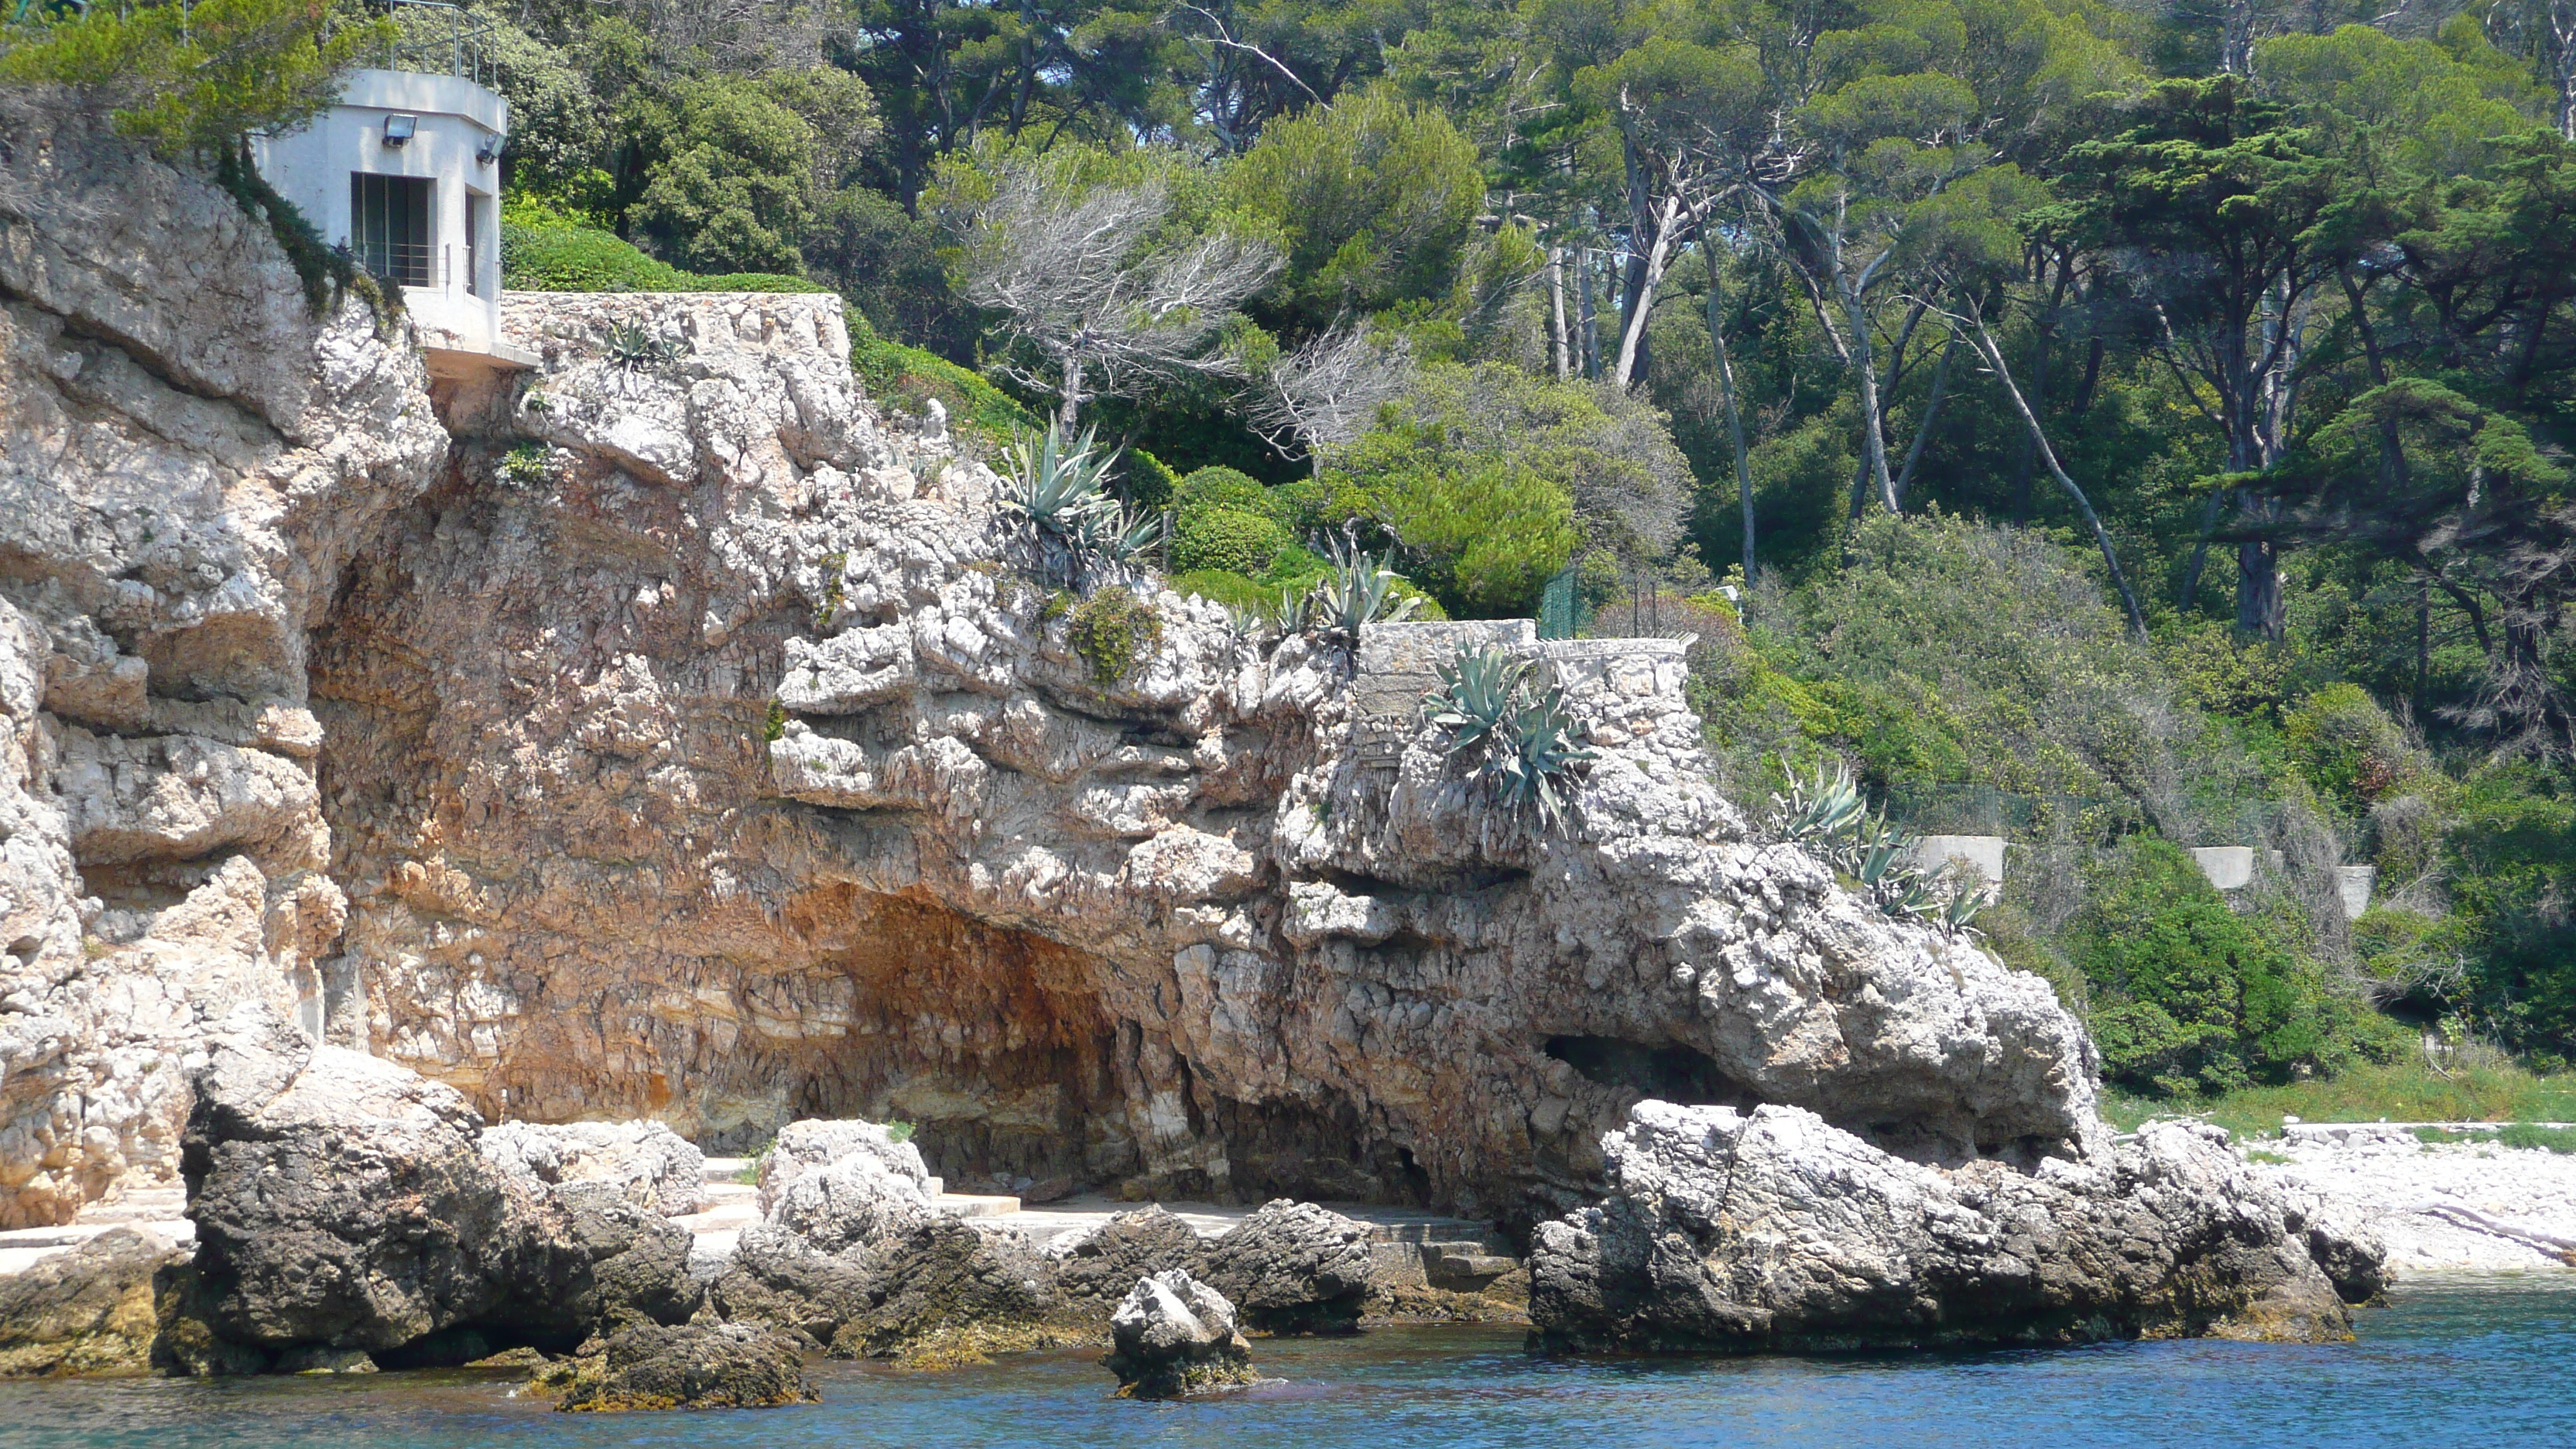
(2446, 1207)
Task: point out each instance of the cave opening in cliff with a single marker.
(1666, 1073)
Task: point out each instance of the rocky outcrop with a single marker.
(677, 739)
(647, 1163)
(803, 1146)
(1095, 1270)
(1728, 1231)
(1173, 1336)
(690, 1366)
(341, 1202)
(94, 1310)
(1293, 1267)
(189, 458)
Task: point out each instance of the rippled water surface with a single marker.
(2484, 1362)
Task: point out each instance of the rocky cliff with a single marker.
(670, 736)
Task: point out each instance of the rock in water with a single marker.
(691, 1366)
(648, 1163)
(1174, 1335)
(340, 1201)
(1728, 1231)
(89, 1311)
(1293, 1267)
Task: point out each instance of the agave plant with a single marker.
(1355, 593)
(634, 348)
(1542, 743)
(1829, 816)
(1475, 695)
(1054, 494)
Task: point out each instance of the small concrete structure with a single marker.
(2353, 883)
(2229, 867)
(404, 171)
(1983, 854)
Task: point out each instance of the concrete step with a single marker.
(974, 1205)
(727, 1169)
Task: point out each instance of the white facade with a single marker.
(451, 263)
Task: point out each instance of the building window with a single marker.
(389, 225)
(475, 208)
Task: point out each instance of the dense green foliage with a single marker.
(2121, 428)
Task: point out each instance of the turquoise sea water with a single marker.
(2489, 1362)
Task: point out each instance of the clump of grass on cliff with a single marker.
(1112, 630)
(2401, 1092)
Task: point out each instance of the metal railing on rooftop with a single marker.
(438, 38)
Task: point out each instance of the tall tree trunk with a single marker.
(1931, 411)
(1071, 407)
(1556, 309)
(1994, 356)
(1873, 417)
(1632, 337)
(1726, 395)
(1861, 473)
(2043, 333)
(1588, 320)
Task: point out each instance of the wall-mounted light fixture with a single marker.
(490, 148)
(398, 129)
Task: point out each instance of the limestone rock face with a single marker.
(93, 1310)
(1173, 1335)
(677, 740)
(1293, 1267)
(689, 1366)
(340, 1201)
(1728, 1231)
(189, 458)
(647, 1163)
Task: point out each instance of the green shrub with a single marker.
(544, 251)
(1151, 487)
(1225, 538)
(908, 377)
(1112, 630)
(2350, 752)
(2188, 996)
(1221, 488)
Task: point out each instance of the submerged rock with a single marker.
(1173, 1335)
(93, 1310)
(940, 1291)
(690, 1366)
(1728, 1231)
(1293, 1267)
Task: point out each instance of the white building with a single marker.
(405, 172)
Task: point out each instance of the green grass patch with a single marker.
(2406, 1092)
(2517, 1134)
(906, 377)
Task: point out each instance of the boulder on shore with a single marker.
(1293, 1267)
(1730, 1231)
(1096, 1270)
(848, 1203)
(811, 1143)
(649, 1164)
(93, 1310)
(341, 1202)
(688, 1366)
(1174, 1335)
